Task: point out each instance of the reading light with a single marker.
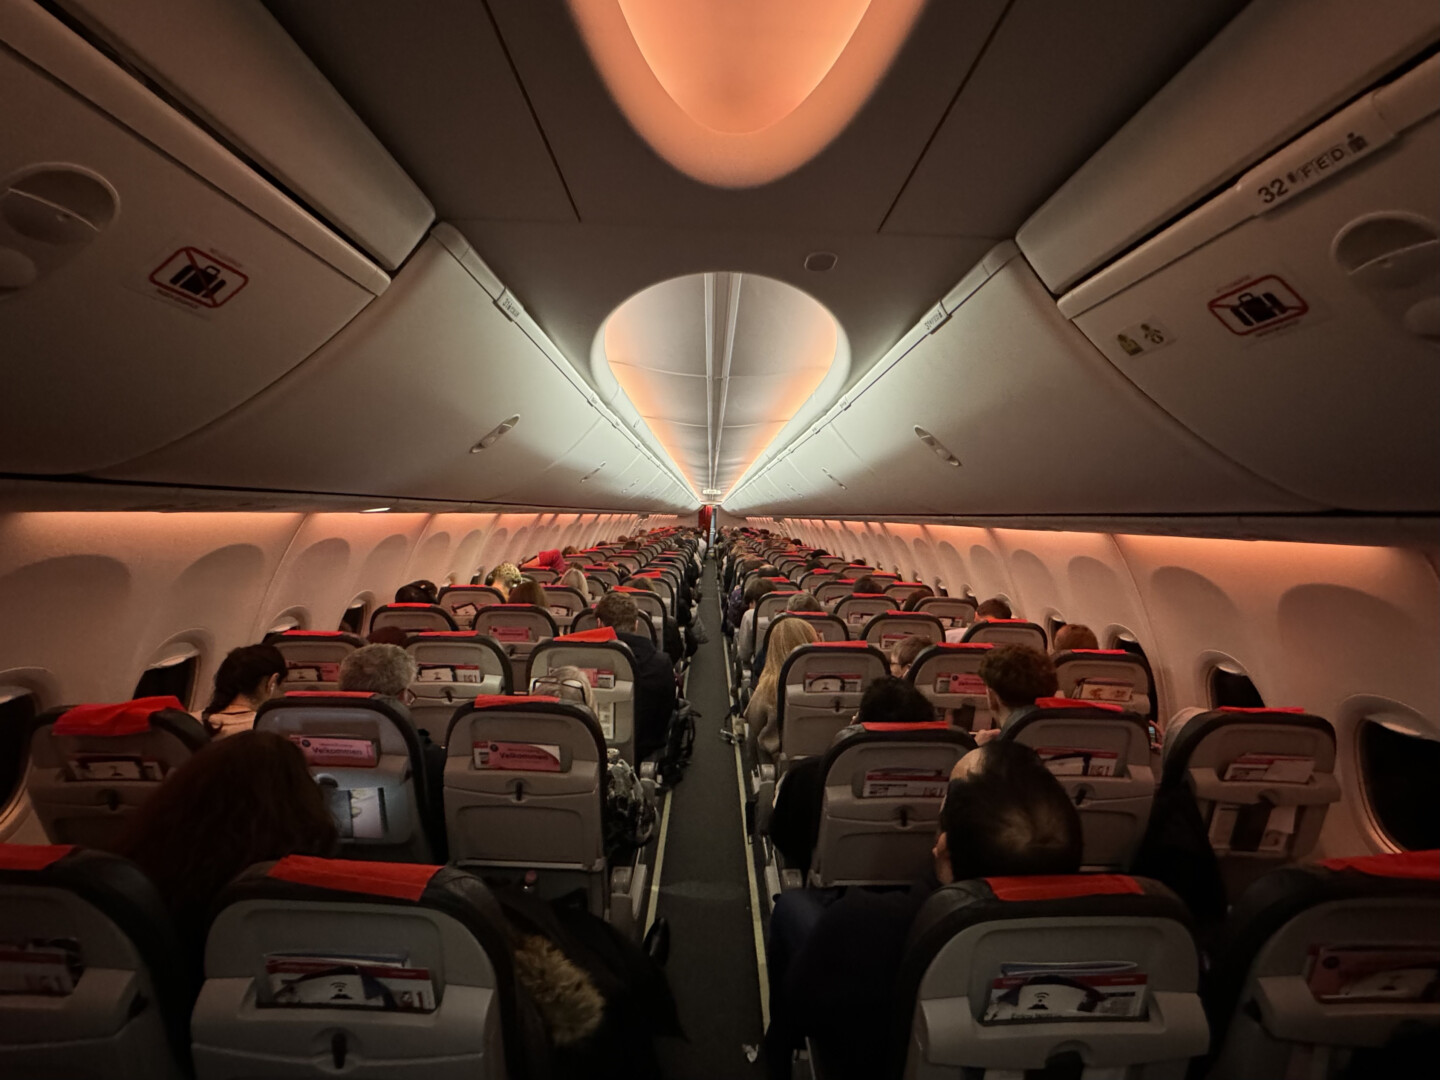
(375, 510)
(836, 479)
(935, 446)
(492, 436)
(593, 471)
(820, 261)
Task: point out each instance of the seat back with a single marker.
(541, 574)
(525, 785)
(1321, 961)
(92, 766)
(1008, 632)
(313, 657)
(1107, 960)
(300, 945)
(819, 693)
(1262, 779)
(1110, 675)
(856, 610)
(412, 618)
(455, 666)
(881, 789)
(365, 753)
(889, 628)
(463, 602)
(1101, 754)
(900, 591)
(564, 604)
(517, 628)
(93, 982)
(952, 611)
(586, 621)
(811, 581)
(948, 673)
(630, 560)
(834, 589)
(606, 575)
(609, 665)
(666, 586)
(651, 605)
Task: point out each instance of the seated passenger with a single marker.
(417, 592)
(387, 670)
(912, 602)
(504, 578)
(528, 592)
(239, 801)
(804, 601)
(388, 635)
(247, 678)
(745, 635)
(834, 955)
(905, 652)
(554, 560)
(670, 633)
(867, 584)
(1014, 676)
(786, 636)
(994, 608)
(1075, 636)
(574, 578)
(654, 677)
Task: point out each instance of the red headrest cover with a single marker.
(489, 701)
(1075, 703)
(1415, 865)
(32, 856)
(399, 881)
(125, 718)
(1062, 886)
(600, 633)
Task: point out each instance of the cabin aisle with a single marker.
(704, 891)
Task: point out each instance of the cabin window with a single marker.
(353, 621)
(173, 676)
(17, 709)
(1053, 623)
(1398, 771)
(1231, 688)
(285, 622)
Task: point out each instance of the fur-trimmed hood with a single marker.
(565, 995)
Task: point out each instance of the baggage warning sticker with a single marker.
(1259, 306)
(198, 279)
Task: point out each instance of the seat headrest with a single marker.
(600, 633)
(123, 718)
(32, 857)
(497, 701)
(1062, 887)
(396, 881)
(1409, 865)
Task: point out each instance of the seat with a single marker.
(832, 590)
(667, 587)
(767, 609)
(819, 693)
(952, 611)
(811, 580)
(525, 782)
(91, 766)
(630, 560)
(425, 947)
(454, 667)
(564, 604)
(1320, 961)
(412, 618)
(518, 628)
(1110, 675)
(948, 673)
(651, 606)
(540, 574)
(826, 626)
(1281, 769)
(610, 667)
(313, 657)
(94, 982)
(987, 958)
(606, 575)
(856, 610)
(464, 601)
(1008, 632)
(1101, 754)
(365, 753)
(880, 804)
(900, 591)
(889, 628)
(586, 622)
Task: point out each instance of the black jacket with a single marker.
(654, 695)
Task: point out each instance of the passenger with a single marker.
(865, 584)
(417, 592)
(994, 608)
(834, 956)
(745, 635)
(1014, 675)
(905, 652)
(388, 635)
(247, 678)
(239, 801)
(553, 560)
(504, 577)
(654, 677)
(786, 636)
(804, 601)
(387, 670)
(913, 600)
(574, 578)
(673, 644)
(529, 592)
(1075, 636)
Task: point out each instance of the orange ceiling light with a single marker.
(737, 93)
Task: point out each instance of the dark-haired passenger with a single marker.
(247, 678)
(905, 652)
(528, 591)
(834, 960)
(654, 677)
(867, 585)
(994, 608)
(417, 592)
(1014, 676)
(1075, 636)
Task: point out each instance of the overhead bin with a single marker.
(1274, 71)
(1293, 321)
(1037, 420)
(148, 278)
(397, 401)
(234, 67)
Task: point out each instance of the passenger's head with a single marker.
(912, 599)
(785, 636)
(528, 592)
(617, 610)
(994, 608)
(575, 579)
(905, 652)
(642, 583)
(568, 683)
(1015, 675)
(568, 550)
(894, 701)
(388, 635)
(804, 601)
(755, 588)
(251, 674)
(505, 577)
(417, 592)
(867, 584)
(1075, 636)
(1004, 814)
(239, 801)
(378, 669)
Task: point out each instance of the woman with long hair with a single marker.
(528, 591)
(786, 635)
(247, 678)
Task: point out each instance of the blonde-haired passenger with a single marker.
(505, 577)
(786, 635)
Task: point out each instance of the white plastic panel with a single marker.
(1275, 70)
(1036, 417)
(234, 65)
(393, 404)
(100, 366)
(1341, 402)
